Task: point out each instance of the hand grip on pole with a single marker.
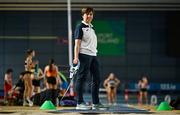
(74, 68)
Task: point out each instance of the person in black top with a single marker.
(19, 89)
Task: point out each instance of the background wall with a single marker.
(46, 32)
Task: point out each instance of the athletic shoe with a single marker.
(30, 102)
(114, 104)
(5, 102)
(83, 106)
(99, 107)
(25, 103)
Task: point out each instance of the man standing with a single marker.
(85, 51)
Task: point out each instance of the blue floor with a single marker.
(133, 98)
(117, 109)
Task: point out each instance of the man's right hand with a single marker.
(75, 61)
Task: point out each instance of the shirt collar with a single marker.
(87, 24)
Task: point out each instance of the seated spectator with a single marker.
(8, 86)
(19, 89)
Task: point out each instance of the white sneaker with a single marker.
(114, 104)
(30, 102)
(25, 103)
(83, 106)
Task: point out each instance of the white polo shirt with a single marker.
(86, 33)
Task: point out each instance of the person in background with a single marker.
(38, 75)
(143, 86)
(52, 79)
(19, 89)
(111, 84)
(19, 86)
(8, 85)
(28, 76)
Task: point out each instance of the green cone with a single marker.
(47, 105)
(164, 106)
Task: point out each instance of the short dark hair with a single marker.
(9, 70)
(86, 10)
(29, 51)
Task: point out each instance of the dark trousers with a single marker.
(88, 64)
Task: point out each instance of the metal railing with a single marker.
(101, 6)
